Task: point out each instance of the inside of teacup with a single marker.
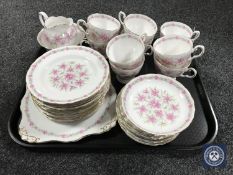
(56, 21)
(173, 45)
(176, 28)
(125, 49)
(104, 22)
(140, 24)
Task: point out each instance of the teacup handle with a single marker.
(192, 70)
(151, 50)
(201, 47)
(82, 22)
(121, 17)
(195, 35)
(84, 41)
(43, 17)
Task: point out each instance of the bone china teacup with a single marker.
(126, 50)
(175, 51)
(138, 24)
(176, 72)
(58, 31)
(100, 27)
(178, 28)
(127, 72)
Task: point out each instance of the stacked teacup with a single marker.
(126, 54)
(100, 28)
(174, 51)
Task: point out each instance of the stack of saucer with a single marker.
(69, 83)
(154, 109)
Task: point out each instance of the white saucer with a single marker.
(44, 42)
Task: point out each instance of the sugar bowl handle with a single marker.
(196, 48)
(43, 17)
(193, 73)
(195, 35)
(121, 17)
(81, 22)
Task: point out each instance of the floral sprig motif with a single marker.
(69, 76)
(156, 107)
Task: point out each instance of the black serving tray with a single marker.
(202, 130)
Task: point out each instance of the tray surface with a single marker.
(202, 130)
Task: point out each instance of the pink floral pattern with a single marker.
(179, 61)
(69, 76)
(35, 92)
(174, 106)
(156, 106)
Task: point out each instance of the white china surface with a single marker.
(56, 21)
(36, 127)
(176, 28)
(140, 24)
(104, 22)
(158, 104)
(67, 74)
(124, 49)
(172, 46)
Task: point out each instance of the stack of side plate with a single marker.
(154, 109)
(69, 83)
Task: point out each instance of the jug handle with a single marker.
(121, 17)
(43, 17)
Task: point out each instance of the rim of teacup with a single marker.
(121, 36)
(146, 18)
(167, 37)
(176, 24)
(109, 17)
